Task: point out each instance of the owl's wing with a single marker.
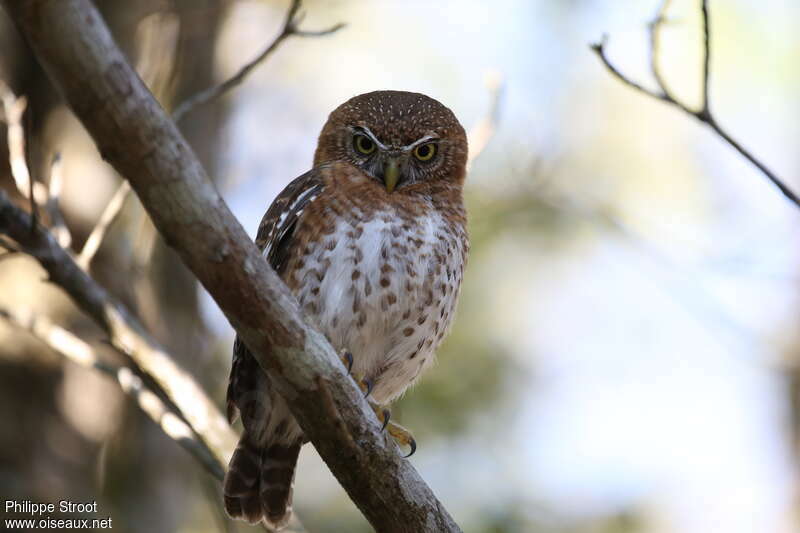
(274, 237)
(275, 240)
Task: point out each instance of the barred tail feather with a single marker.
(277, 481)
(258, 484)
(242, 480)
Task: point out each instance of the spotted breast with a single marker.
(379, 278)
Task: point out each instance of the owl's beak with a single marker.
(391, 173)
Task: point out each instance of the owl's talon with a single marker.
(364, 383)
(347, 360)
(413, 445)
(403, 437)
(367, 388)
(382, 413)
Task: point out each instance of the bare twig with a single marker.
(125, 333)
(654, 29)
(704, 108)
(75, 47)
(14, 110)
(54, 184)
(80, 352)
(480, 134)
(290, 27)
(703, 114)
(98, 233)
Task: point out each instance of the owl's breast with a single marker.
(385, 289)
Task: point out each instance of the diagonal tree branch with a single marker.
(703, 114)
(138, 138)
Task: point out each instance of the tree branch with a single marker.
(14, 109)
(54, 183)
(125, 333)
(703, 114)
(108, 216)
(76, 350)
(68, 345)
(138, 138)
(289, 28)
(704, 108)
(73, 348)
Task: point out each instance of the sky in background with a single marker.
(653, 346)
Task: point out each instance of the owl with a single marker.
(372, 241)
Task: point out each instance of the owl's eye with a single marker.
(363, 144)
(425, 152)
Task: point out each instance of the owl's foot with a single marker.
(401, 435)
(364, 383)
(347, 360)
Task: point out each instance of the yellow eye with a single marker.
(364, 144)
(425, 152)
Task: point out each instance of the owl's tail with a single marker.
(258, 485)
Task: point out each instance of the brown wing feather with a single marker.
(274, 239)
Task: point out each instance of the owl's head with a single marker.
(398, 138)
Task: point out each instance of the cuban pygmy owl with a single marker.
(372, 242)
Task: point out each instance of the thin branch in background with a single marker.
(110, 213)
(68, 345)
(144, 245)
(705, 109)
(14, 110)
(654, 30)
(37, 193)
(124, 331)
(54, 183)
(290, 27)
(703, 114)
(10, 249)
(480, 134)
(26, 130)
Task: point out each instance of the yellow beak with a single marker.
(391, 174)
